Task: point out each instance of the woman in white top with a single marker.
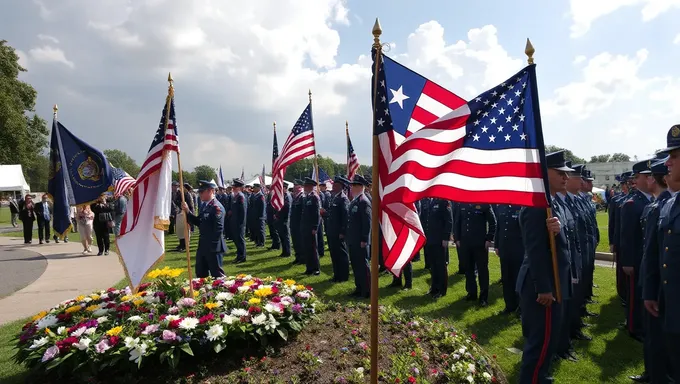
(85, 219)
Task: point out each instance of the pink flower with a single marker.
(50, 353)
(169, 335)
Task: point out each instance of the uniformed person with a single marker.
(251, 219)
(271, 222)
(210, 221)
(438, 233)
(282, 223)
(627, 188)
(593, 233)
(180, 221)
(424, 213)
(473, 233)
(541, 313)
(225, 199)
(359, 237)
(324, 197)
(510, 250)
(174, 209)
(237, 220)
(258, 207)
(194, 204)
(296, 220)
(336, 226)
(309, 226)
(631, 240)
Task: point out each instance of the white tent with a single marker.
(12, 179)
(268, 181)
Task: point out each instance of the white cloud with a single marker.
(23, 58)
(47, 54)
(48, 38)
(676, 40)
(579, 59)
(585, 12)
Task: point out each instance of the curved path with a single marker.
(68, 274)
(19, 267)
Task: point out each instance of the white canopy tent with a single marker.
(268, 181)
(12, 179)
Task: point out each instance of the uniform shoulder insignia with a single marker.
(218, 209)
(478, 207)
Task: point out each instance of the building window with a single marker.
(606, 177)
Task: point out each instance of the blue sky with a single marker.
(606, 69)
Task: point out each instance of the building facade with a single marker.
(605, 173)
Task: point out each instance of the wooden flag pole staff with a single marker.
(347, 137)
(375, 212)
(529, 51)
(187, 242)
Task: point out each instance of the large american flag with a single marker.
(122, 181)
(298, 146)
(487, 150)
(404, 102)
(263, 181)
(352, 160)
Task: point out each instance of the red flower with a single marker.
(113, 340)
(275, 290)
(413, 354)
(233, 289)
(494, 356)
(174, 324)
(206, 318)
(279, 279)
(276, 299)
(397, 380)
(309, 288)
(307, 347)
(143, 325)
(110, 305)
(110, 289)
(162, 317)
(473, 336)
(418, 339)
(216, 283)
(191, 314)
(411, 379)
(65, 345)
(494, 379)
(254, 310)
(144, 286)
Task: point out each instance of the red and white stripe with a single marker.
(352, 162)
(123, 185)
(297, 147)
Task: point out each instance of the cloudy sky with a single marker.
(607, 69)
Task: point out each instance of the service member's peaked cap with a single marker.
(237, 182)
(342, 180)
(644, 166)
(203, 185)
(359, 180)
(557, 161)
(298, 182)
(672, 139)
(578, 168)
(659, 168)
(309, 181)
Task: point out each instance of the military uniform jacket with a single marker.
(617, 221)
(337, 214)
(508, 233)
(177, 200)
(258, 206)
(210, 222)
(653, 244)
(422, 212)
(270, 209)
(475, 224)
(583, 236)
(239, 207)
(590, 208)
(359, 221)
(225, 200)
(537, 267)
(631, 235)
(669, 259)
(283, 215)
(569, 224)
(296, 209)
(326, 199)
(439, 222)
(311, 214)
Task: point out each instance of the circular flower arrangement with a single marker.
(114, 328)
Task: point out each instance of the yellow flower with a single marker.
(125, 298)
(138, 294)
(92, 308)
(248, 283)
(254, 301)
(211, 305)
(138, 302)
(115, 331)
(289, 282)
(165, 272)
(264, 292)
(73, 309)
(196, 293)
(94, 297)
(240, 276)
(39, 316)
(300, 287)
(80, 298)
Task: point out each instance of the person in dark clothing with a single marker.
(27, 217)
(103, 221)
(43, 214)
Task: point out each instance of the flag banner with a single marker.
(352, 160)
(122, 181)
(220, 179)
(141, 243)
(323, 177)
(263, 181)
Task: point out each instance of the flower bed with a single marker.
(116, 329)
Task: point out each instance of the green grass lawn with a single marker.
(609, 358)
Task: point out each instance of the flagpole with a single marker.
(529, 51)
(277, 149)
(316, 162)
(347, 136)
(375, 214)
(171, 94)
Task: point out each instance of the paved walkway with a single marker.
(68, 274)
(19, 267)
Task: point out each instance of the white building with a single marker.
(605, 173)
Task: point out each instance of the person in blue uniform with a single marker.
(536, 285)
(423, 213)
(180, 222)
(271, 222)
(282, 223)
(438, 233)
(359, 237)
(631, 239)
(593, 233)
(296, 219)
(666, 279)
(325, 197)
(210, 222)
(258, 208)
(225, 199)
(627, 188)
(335, 217)
(237, 220)
(473, 233)
(309, 226)
(510, 250)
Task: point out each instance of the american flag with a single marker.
(141, 242)
(243, 173)
(122, 181)
(298, 146)
(263, 184)
(412, 102)
(352, 161)
(488, 150)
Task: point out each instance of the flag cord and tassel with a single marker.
(529, 51)
(171, 95)
(375, 212)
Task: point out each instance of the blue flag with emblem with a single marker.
(79, 174)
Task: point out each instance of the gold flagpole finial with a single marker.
(310, 95)
(274, 126)
(54, 110)
(377, 31)
(171, 87)
(529, 51)
(346, 127)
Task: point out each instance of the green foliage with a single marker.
(303, 168)
(122, 160)
(613, 158)
(600, 158)
(187, 177)
(22, 133)
(619, 157)
(568, 154)
(37, 174)
(204, 172)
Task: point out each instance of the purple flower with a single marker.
(169, 335)
(297, 308)
(50, 353)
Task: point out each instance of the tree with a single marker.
(22, 133)
(122, 160)
(204, 172)
(187, 177)
(37, 174)
(567, 154)
(619, 157)
(600, 158)
(303, 168)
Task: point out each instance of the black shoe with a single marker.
(106, 253)
(99, 253)
(40, 242)
(437, 296)
(65, 240)
(483, 303)
(460, 272)
(642, 378)
(284, 255)
(56, 241)
(395, 284)
(508, 311)
(567, 356)
(636, 337)
(239, 261)
(470, 297)
(581, 336)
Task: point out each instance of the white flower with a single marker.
(272, 323)
(130, 342)
(39, 343)
(50, 353)
(102, 319)
(242, 289)
(461, 350)
(248, 277)
(47, 321)
(137, 352)
(470, 379)
(135, 318)
(188, 323)
(238, 312)
(224, 296)
(100, 312)
(303, 295)
(259, 319)
(103, 296)
(273, 308)
(487, 375)
(102, 346)
(83, 344)
(78, 332)
(186, 302)
(61, 330)
(170, 318)
(471, 367)
(229, 283)
(360, 371)
(149, 299)
(229, 319)
(456, 356)
(214, 332)
(90, 331)
(219, 303)
(173, 310)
